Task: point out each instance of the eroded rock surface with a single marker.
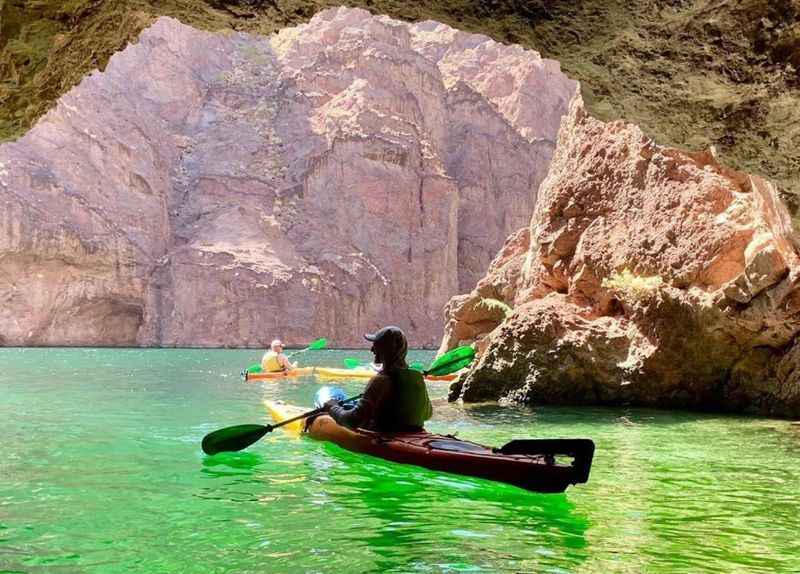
(647, 276)
(223, 189)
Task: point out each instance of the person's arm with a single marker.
(360, 414)
(285, 363)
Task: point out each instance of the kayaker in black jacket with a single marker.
(395, 399)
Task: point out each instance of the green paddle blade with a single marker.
(315, 346)
(452, 361)
(254, 368)
(417, 366)
(351, 363)
(318, 344)
(233, 438)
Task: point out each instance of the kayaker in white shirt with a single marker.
(274, 360)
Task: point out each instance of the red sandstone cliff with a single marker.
(647, 276)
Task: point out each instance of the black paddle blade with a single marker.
(233, 438)
(452, 361)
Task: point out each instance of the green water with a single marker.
(101, 471)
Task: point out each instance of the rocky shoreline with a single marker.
(648, 276)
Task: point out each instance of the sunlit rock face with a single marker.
(647, 276)
(223, 189)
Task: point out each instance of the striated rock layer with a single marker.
(224, 189)
(647, 276)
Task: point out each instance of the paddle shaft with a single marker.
(308, 414)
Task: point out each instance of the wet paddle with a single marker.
(451, 361)
(241, 436)
(351, 363)
(315, 346)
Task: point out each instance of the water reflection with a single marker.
(453, 521)
(245, 460)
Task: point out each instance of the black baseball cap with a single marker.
(390, 332)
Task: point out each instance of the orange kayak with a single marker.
(266, 376)
(528, 464)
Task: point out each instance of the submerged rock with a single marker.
(648, 276)
(222, 189)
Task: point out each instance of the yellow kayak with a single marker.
(334, 373)
(329, 373)
(280, 411)
(360, 373)
(322, 372)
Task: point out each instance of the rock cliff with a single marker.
(690, 73)
(221, 189)
(647, 276)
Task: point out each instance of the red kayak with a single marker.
(529, 464)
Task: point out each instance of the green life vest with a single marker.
(408, 406)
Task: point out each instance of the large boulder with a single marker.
(651, 276)
(222, 189)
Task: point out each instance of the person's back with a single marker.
(395, 399)
(406, 405)
(274, 360)
(270, 362)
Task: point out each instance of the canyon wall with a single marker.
(222, 189)
(647, 276)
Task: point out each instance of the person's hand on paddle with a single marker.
(329, 404)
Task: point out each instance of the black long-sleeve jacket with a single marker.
(393, 402)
